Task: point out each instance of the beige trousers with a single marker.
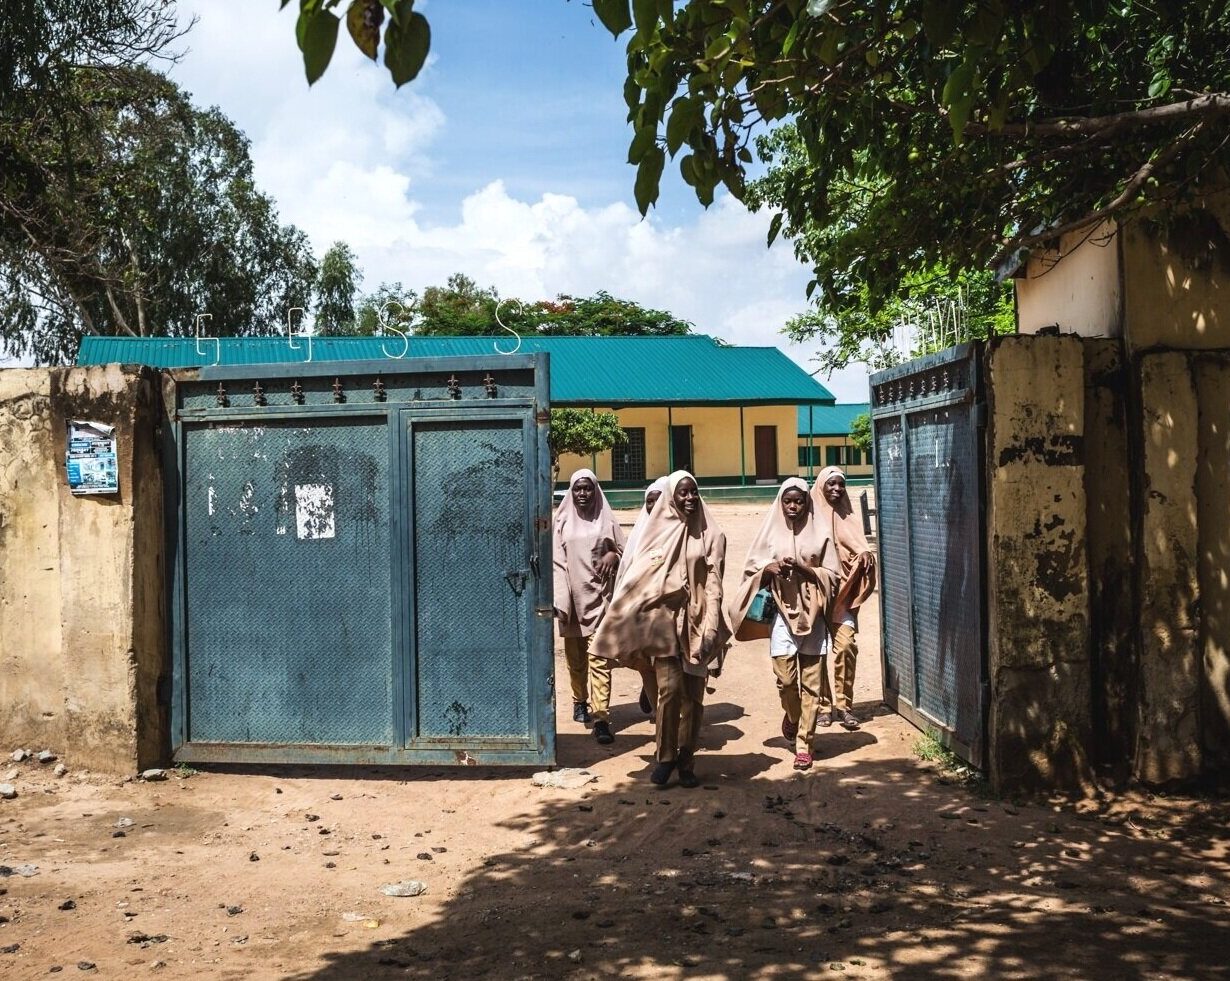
(590, 677)
(845, 659)
(681, 707)
(799, 678)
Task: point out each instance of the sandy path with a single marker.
(872, 865)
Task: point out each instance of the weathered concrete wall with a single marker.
(1111, 545)
(1074, 286)
(1213, 513)
(81, 579)
(1175, 281)
(1039, 727)
(1168, 734)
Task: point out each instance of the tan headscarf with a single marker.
(804, 597)
(581, 594)
(642, 519)
(858, 562)
(671, 594)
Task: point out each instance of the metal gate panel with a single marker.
(472, 573)
(289, 617)
(301, 628)
(929, 465)
(893, 538)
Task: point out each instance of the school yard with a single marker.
(876, 864)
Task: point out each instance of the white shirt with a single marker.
(782, 643)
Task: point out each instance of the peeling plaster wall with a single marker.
(1168, 735)
(1111, 545)
(81, 578)
(1039, 727)
(1213, 513)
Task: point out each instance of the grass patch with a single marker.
(183, 770)
(928, 748)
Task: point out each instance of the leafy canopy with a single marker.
(981, 127)
(860, 431)
(337, 284)
(583, 432)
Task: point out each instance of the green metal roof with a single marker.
(603, 371)
(830, 420)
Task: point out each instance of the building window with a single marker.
(844, 456)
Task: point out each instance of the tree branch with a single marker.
(1214, 103)
(119, 316)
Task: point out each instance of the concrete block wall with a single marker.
(82, 630)
(1039, 725)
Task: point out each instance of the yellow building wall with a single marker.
(822, 443)
(716, 450)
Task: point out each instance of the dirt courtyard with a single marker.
(875, 864)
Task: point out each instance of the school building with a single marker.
(728, 414)
(824, 441)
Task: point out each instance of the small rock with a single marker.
(153, 775)
(54, 969)
(10, 948)
(85, 965)
(335, 797)
(439, 849)
(60, 770)
(411, 887)
(157, 965)
(124, 822)
(569, 778)
(424, 857)
(253, 857)
(67, 905)
(234, 910)
(11, 775)
(19, 755)
(118, 834)
(7, 791)
(311, 817)
(575, 956)
(691, 960)
(25, 871)
(47, 756)
(330, 865)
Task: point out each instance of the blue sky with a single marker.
(505, 159)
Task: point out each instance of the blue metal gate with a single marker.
(927, 418)
(356, 558)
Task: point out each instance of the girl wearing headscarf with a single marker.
(649, 682)
(586, 551)
(857, 583)
(793, 556)
(668, 609)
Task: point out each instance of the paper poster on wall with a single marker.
(91, 458)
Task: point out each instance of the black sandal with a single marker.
(662, 773)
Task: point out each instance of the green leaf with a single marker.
(319, 40)
(399, 10)
(406, 47)
(775, 227)
(648, 176)
(687, 170)
(1160, 84)
(614, 14)
(644, 14)
(642, 140)
(939, 19)
(685, 114)
(791, 36)
(363, 19)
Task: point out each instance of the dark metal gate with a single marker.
(357, 552)
(927, 417)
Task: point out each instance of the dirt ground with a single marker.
(875, 864)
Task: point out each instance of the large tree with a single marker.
(123, 208)
(337, 285)
(983, 126)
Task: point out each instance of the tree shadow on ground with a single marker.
(882, 866)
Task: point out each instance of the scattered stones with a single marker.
(47, 756)
(19, 755)
(410, 887)
(67, 905)
(60, 770)
(153, 775)
(569, 778)
(124, 822)
(145, 939)
(7, 791)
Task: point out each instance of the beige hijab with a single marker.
(670, 595)
(581, 594)
(642, 519)
(858, 562)
(803, 598)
